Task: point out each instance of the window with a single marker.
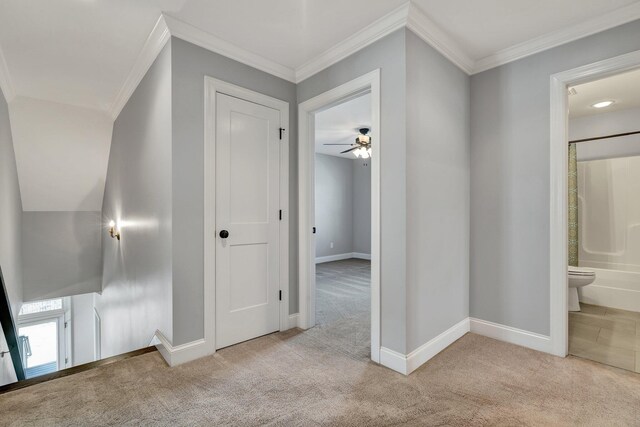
(41, 306)
(42, 334)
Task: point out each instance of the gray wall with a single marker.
(82, 328)
(437, 176)
(389, 55)
(10, 226)
(190, 65)
(510, 109)
(361, 172)
(334, 205)
(137, 286)
(61, 254)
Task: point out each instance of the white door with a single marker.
(247, 216)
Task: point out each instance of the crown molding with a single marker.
(6, 84)
(430, 32)
(389, 23)
(210, 42)
(407, 15)
(558, 38)
(152, 47)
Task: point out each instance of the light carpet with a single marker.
(301, 378)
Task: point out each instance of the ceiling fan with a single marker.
(362, 147)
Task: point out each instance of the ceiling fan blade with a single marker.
(350, 149)
(337, 144)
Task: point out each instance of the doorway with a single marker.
(343, 225)
(559, 200)
(309, 113)
(604, 243)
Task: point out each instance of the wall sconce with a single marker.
(112, 230)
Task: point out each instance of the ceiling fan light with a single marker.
(362, 139)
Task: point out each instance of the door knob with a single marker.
(224, 234)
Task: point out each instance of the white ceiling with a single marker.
(624, 89)
(485, 27)
(340, 125)
(62, 153)
(80, 52)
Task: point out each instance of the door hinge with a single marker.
(66, 360)
(280, 295)
(281, 132)
(65, 325)
(280, 214)
(314, 230)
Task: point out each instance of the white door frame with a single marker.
(559, 180)
(306, 175)
(211, 88)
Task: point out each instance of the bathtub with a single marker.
(612, 288)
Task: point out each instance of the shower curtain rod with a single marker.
(604, 137)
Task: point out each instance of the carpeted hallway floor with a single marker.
(302, 378)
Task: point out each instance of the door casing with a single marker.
(558, 203)
(369, 82)
(212, 87)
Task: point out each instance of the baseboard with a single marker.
(361, 255)
(340, 257)
(425, 352)
(293, 320)
(511, 335)
(177, 355)
(405, 364)
(329, 258)
(393, 360)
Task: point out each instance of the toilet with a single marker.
(578, 277)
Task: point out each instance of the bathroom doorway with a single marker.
(603, 219)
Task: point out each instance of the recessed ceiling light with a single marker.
(602, 104)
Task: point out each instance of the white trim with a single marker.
(293, 320)
(152, 47)
(430, 32)
(340, 257)
(558, 257)
(369, 82)
(560, 37)
(406, 364)
(6, 83)
(431, 348)
(210, 42)
(330, 258)
(408, 15)
(183, 353)
(211, 87)
(393, 360)
(380, 28)
(511, 335)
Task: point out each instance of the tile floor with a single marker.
(606, 335)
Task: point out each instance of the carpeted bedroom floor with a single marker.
(303, 378)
